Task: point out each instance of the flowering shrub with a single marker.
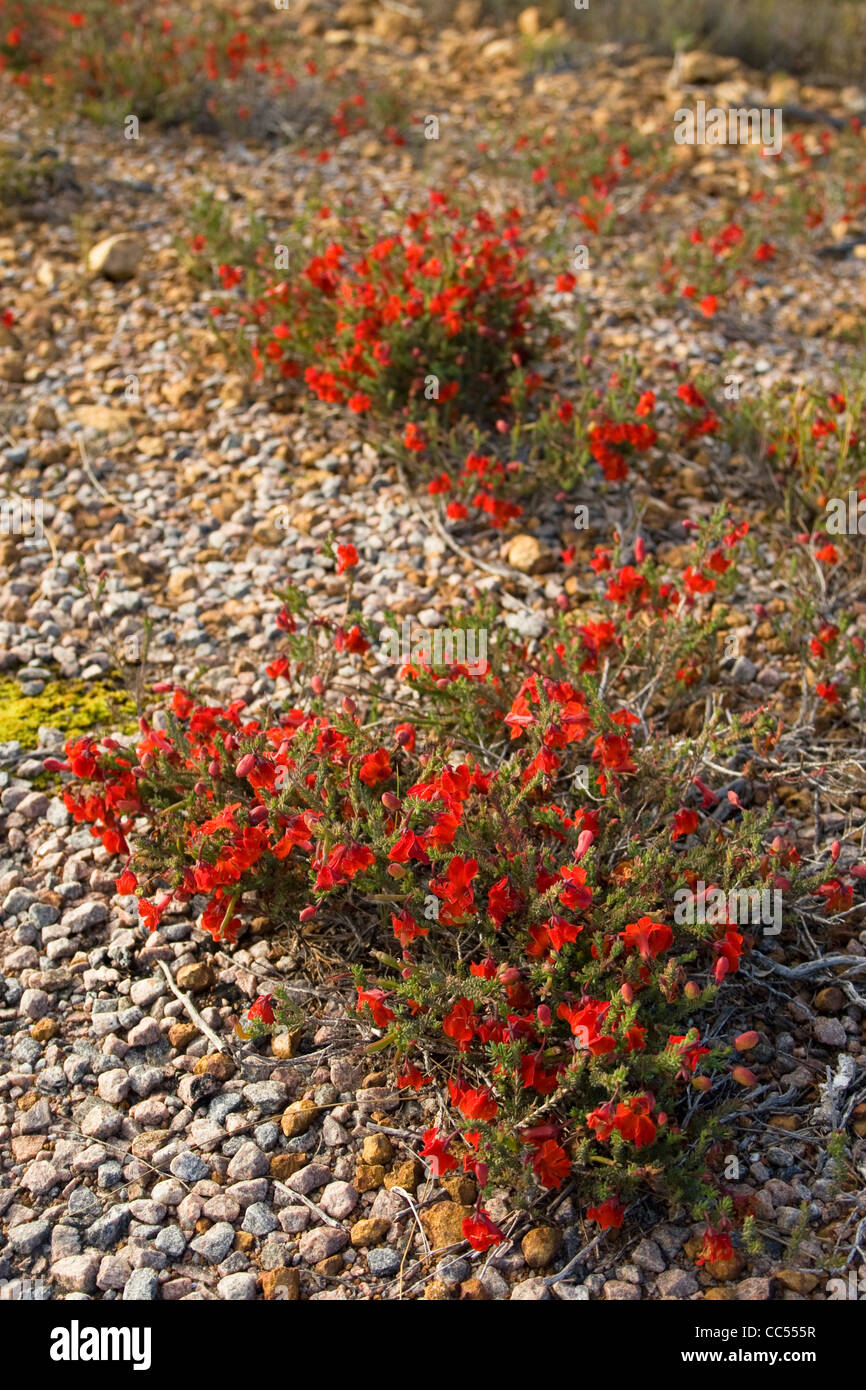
(528, 959)
(409, 321)
(157, 60)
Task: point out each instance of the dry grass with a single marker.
(808, 37)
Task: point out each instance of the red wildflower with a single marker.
(480, 1231)
(608, 1215)
(347, 558)
(262, 1009)
(436, 1150)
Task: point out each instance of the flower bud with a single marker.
(544, 1016)
(639, 551)
(744, 1076)
(214, 767)
(584, 840)
(258, 814)
(349, 706)
(562, 603)
(510, 975)
(391, 802)
(858, 871)
(308, 913)
(405, 736)
(55, 765)
(246, 764)
(200, 788)
(701, 1083)
(626, 993)
(746, 1041)
(317, 685)
(692, 989)
(834, 850)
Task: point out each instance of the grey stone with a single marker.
(215, 1243)
(108, 1229)
(27, 1237)
(235, 1288)
(383, 1262)
(322, 1242)
(141, 1286)
(171, 1241)
(676, 1283)
(259, 1220)
(248, 1162)
(189, 1167)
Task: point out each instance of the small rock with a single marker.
(298, 1118)
(830, 1032)
(540, 1245)
(339, 1199)
(117, 257)
(321, 1243)
(531, 1291)
(77, 1272)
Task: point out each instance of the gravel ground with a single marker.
(138, 1160)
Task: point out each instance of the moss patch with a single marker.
(76, 707)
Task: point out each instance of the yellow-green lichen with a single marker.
(74, 706)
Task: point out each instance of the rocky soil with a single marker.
(142, 1157)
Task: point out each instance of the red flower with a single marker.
(717, 1246)
(685, 823)
(436, 1149)
(408, 846)
(414, 439)
(127, 883)
(412, 1077)
(375, 767)
(405, 736)
(585, 1022)
(151, 913)
(459, 1024)
(406, 929)
(633, 1121)
(647, 937)
(374, 999)
(480, 1231)
(608, 1215)
(475, 1104)
(262, 1009)
(347, 558)
(551, 1164)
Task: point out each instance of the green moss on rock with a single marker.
(76, 707)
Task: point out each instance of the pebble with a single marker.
(215, 1243)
